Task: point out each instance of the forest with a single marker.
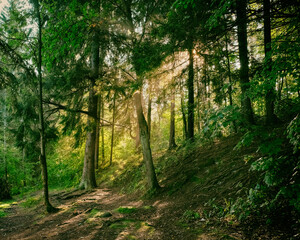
(137, 119)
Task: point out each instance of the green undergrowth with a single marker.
(2, 214)
(31, 202)
(175, 169)
(126, 210)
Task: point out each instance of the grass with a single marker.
(122, 224)
(7, 203)
(31, 202)
(126, 210)
(2, 214)
(94, 212)
(148, 208)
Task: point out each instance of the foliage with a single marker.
(293, 133)
(190, 216)
(278, 185)
(148, 45)
(65, 163)
(220, 122)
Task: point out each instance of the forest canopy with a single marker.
(93, 90)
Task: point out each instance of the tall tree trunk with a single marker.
(88, 179)
(185, 132)
(206, 82)
(190, 86)
(24, 156)
(149, 114)
(229, 72)
(97, 132)
(270, 95)
(4, 137)
(198, 103)
(229, 79)
(112, 130)
(149, 108)
(49, 207)
(247, 111)
(144, 135)
(102, 132)
(172, 143)
(24, 165)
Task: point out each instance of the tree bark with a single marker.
(190, 86)
(137, 135)
(88, 179)
(144, 136)
(172, 143)
(241, 20)
(49, 207)
(270, 94)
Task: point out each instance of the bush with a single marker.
(278, 188)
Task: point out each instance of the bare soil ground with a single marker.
(187, 207)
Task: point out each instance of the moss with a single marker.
(126, 210)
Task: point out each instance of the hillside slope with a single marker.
(199, 186)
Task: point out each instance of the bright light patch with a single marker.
(3, 4)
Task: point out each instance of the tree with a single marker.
(172, 143)
(241, 20)
(270, 94)
(47, 203)
(88, 179)
(113, 128)
(145, 141)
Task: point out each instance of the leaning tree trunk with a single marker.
(88, 179)
(144, 136)
(270, 94)
(137, 136)
(243, 55)
(149, 114)
(49, 207)
(149, 109)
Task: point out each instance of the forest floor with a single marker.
(196, 192)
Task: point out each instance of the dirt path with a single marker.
(101, 214)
